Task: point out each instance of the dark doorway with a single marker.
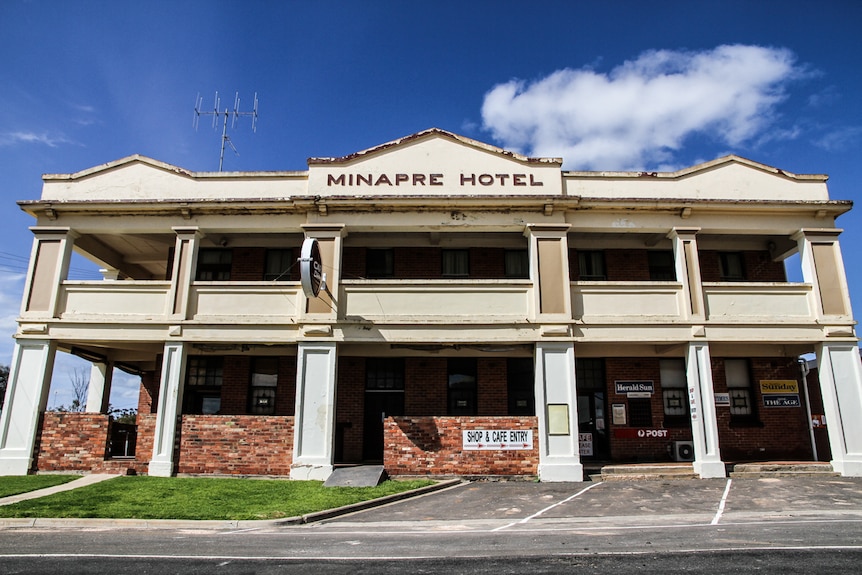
(592, 409)
(592, 426)
(384, 397)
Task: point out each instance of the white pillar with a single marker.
(99, 388)
(26, 397)
(167, 415)
(840, 373)
(557, 410)
(314, 422)
(704, 423)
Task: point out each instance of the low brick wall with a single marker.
(433, 446)
(77, 442)
(235, 444)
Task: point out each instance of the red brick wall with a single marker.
(776, 432)
(77, 442)
(759, 267)
(235, 445)
(492, 386)
(432, 446)
(633, 448)
(426, 263)
(620, 265)
(247, 264)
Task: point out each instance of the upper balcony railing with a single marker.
(423, 301)
(486, 301)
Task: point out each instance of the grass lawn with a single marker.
(15, 484)
(145, 497)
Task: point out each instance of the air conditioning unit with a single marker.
(683, 451)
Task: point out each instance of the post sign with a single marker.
(496, 439)
(640, 433)
(311, 268)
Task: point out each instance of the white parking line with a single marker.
(534, 515)
(721, 504)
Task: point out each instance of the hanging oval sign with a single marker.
(310, 268)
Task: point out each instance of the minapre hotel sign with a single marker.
(396, 179)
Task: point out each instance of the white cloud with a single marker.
(50, 140)
(640, 113)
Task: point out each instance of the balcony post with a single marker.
(557, 410)
(183, 272)
(313, 435)
(99, 389)
(704, 422)
(823, 268)
(49, 265)
(169, 410)
(688, 271)
(26, 398)
(549, 269)
(329, 238)
(840, 372)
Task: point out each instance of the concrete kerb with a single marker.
(48, 522)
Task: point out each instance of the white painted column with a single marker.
(99, 388)
(557, 410)
(169, 410)
(26, 397)
(314, 422)
(840, 373)
(704, 423)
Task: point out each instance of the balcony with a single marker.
(118, 301)
(485, 301)
(772, 303)
(629, 302)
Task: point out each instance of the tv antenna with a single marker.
(234, 115)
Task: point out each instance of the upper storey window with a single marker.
(214, 264)
(456, 263)
(517, 264)
(661, 266)
(591, 265)
(379, 263)
(731, 266)
(278, 264)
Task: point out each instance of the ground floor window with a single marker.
(264, 381)
(738, 375)
(674, 393)
(203, 385)
(520, 380)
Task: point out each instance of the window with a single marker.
(739, 387)
(463, 392)
(674, 392)
(520, 380)
(384, 374)
(456, 263)
(203, 384)
(214, 265)
(661, 266)
(730, 267)
(379, 263)
(264, 380)
(590, 373)
(591, 265)
(640, 412)
(278, 265)
(517, 264)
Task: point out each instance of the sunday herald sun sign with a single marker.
(496, 439)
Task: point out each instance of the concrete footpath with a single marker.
(75, 484)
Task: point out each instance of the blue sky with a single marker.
(606, 84)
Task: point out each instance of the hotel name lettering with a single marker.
(431, 180)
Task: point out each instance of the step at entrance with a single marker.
(783, 469)
(647, 471)
(356, 476)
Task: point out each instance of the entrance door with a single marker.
(592, 426)
(378, 406)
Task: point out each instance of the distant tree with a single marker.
(4, 380)
(79, 377)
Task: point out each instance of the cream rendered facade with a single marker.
(146, 223)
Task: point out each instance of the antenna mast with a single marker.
(234, 115)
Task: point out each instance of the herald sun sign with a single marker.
(311, 268)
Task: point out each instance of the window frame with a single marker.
(285, 270)
(260, 389)
(466, 390)
(727, 260)
(219, 271)
(198, 394)
(592, 261)
(661, 271)
(455, 263)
